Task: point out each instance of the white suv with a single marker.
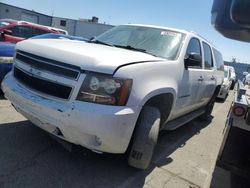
(115, 93)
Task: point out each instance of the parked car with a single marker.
(227, 83)
(15, 31)
(115, 93)
(7, 50)
(233, 77)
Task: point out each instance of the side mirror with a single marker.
(7, 32)
(192, 60)
(240, 13)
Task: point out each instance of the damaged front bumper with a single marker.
(98, 127)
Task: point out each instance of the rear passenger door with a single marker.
(209, 83)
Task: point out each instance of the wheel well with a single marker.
(163, 102)
(216, 91)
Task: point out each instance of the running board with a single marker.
(176, 123)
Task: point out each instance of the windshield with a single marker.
(4, 23)
(158, 42)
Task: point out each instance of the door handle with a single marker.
(201, 78)
(212, 78)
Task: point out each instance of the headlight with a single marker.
(104, 89)
(6, 59)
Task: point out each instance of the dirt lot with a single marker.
(29, 157)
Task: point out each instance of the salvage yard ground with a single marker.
(184, 158)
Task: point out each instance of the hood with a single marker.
(7, 49)
(88, 56)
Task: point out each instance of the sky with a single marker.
(192, 15)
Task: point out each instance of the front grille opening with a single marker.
(52, 65)
(44, 86)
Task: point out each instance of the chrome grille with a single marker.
(42, 85)
(49, 65)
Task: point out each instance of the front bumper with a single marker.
(98, 127)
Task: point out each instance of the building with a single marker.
(239, 68)
(86, 28)
(83, 27)
(16, 13)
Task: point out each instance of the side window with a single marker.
(207, 56)
(218, 60)
(194, 47)
(39, 32)
(21, 31)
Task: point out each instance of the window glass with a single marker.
(194, 47)
(21, 31)
(225, 73)
(207, 56)
(63, 23)
(155, 41)
(4, 23)
(218, 59)
(39, 32)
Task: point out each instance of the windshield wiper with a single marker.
(131, 48)
(135, 49)
(100, 42)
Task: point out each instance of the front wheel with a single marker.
(145, 138)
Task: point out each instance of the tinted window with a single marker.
(21, 31)
(218, 60)
(194, 47)
(39, 32)
(207, 56)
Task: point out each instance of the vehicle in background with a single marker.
(117, 90)
(62, 31)
(7, 50)
(227, 83)
(59, 36)
(233, 77)
(14, 31)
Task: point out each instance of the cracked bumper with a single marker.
(97, 127)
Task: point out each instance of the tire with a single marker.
(145, 138)
(208, 110)
(232, 86)
(209, 107)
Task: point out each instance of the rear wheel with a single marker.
(208, 110)
(145, 138)
(209, 107)
(232, 85)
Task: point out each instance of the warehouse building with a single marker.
(86, 28)
(239, 68)
(16, 13)
(83, 27)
